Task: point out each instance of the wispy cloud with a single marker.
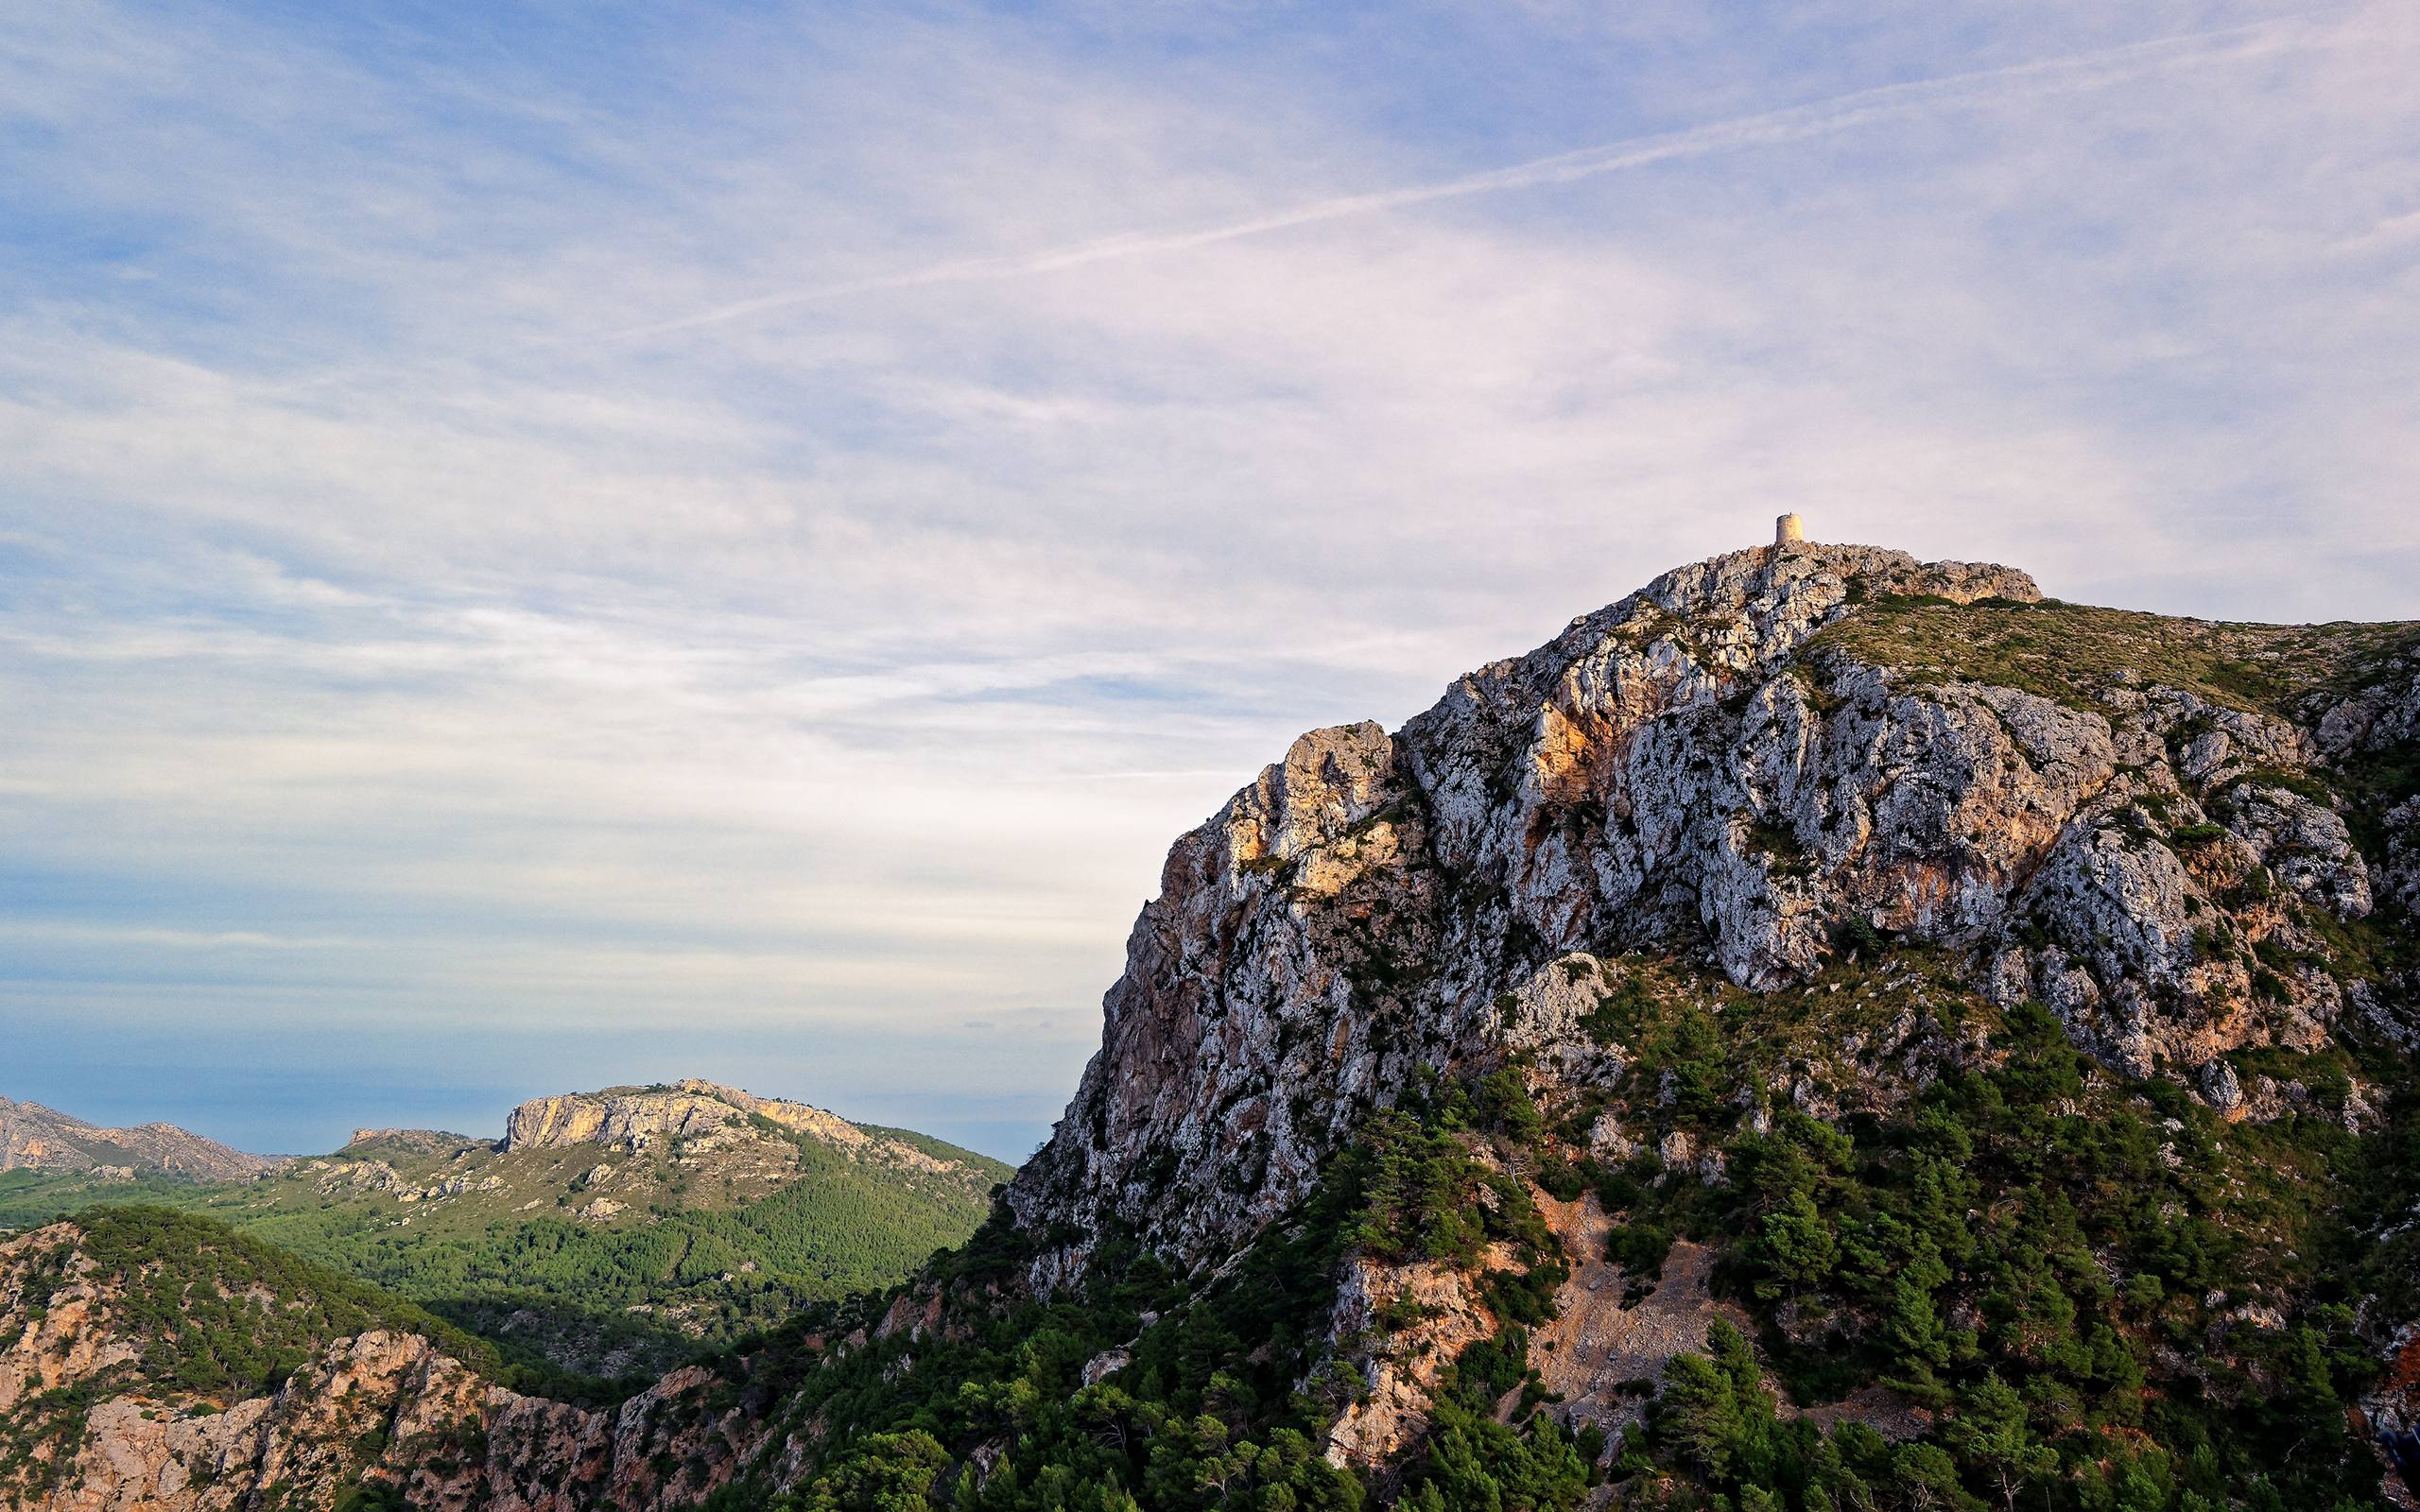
(44, 930)
(1976, 89)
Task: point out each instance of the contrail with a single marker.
(1824, 117)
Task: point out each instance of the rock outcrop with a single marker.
(1717, 763)
(1761, 780)
(413, 1141)
(698, 1113)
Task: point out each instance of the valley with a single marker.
(608, 1235)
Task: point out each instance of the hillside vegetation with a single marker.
(2074, 653)
(192, 1312)
(600, 1261)
(2026, 1282)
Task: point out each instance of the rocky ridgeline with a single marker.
(92, 1418)
(34, 1136)
(413, 1141)
(701, 1114)
(1715, 764)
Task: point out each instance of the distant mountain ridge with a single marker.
(606, 1233)
(36, 1138)
(693, 1110)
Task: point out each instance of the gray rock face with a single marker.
(1695, 768)
(2379, 726)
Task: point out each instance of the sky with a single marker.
(556, 543)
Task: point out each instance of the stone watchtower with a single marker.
(1790, 531)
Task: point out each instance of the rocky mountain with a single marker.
(34, 1138)
(1826, 1031)
(2115, 814)
(417, 1141)
(1703, 992)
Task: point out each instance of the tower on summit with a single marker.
(1790, 531)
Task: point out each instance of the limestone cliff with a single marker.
(701, 1114)
(1757, 757)
(1835, 813)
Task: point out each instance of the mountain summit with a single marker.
(1761, 760)
(704, 1115)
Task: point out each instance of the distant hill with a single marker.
(607, 1232)
(36, 1138)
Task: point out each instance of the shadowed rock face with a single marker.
(34, 1136)
(1701, 767)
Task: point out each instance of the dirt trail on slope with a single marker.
(1595, 1344)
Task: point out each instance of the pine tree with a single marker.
(1991, 1432)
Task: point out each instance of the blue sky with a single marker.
(559, 544)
